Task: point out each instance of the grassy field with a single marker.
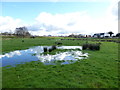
(17, 44)
(100, 70)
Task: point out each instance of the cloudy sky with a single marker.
(54, 17)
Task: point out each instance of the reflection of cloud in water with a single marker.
(71, 55)
(38, 49)
(11, 54)
(70, 47)
(34, 54)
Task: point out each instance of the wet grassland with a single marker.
(99, 70)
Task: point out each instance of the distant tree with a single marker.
(10, 32)
(5, 33)
(22, 32)
(110, 32)
(72, 35)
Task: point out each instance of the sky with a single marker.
(60, 18)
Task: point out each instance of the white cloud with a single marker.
(78, 22)
(74, 22)
(112, 16)
(8, 23)
(66, 23)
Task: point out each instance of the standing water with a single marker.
(35, 54)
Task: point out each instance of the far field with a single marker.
(100, 70)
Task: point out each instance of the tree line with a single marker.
(23, 32)
(19, 32)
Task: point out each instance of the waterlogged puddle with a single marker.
(63, 58)
(35, 54)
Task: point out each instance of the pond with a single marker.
(36, 54)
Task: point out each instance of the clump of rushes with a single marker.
(91, 46)
(22, 40)
(50, 50)
(53, 47)
(45, 49)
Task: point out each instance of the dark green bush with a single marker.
(91, 46)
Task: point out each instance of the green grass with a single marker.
(100, 70)
(17, 44)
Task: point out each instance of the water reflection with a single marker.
(11, 54)
(70, 47)
(22, 56)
